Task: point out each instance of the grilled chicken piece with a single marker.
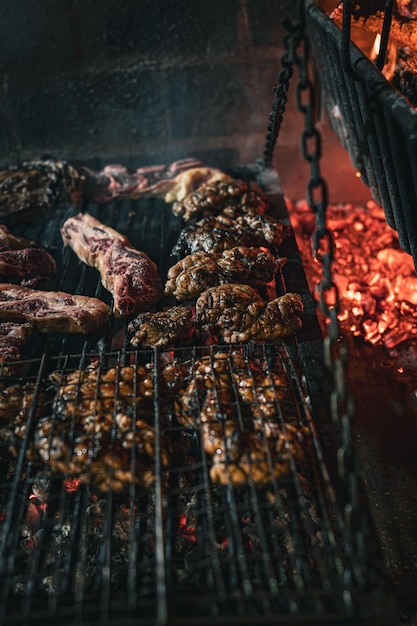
(238, 408)
(100, 451)
(52, 311)
(220, 232)
(103, 416)
(170, 182)
(16, 404)
(221, 383)
(31, 265)
(192, 275)
(236, 313)
(13, 337)
(130, 275)
(255, 459)
(229, 197)
(33, 187)
(161, 328)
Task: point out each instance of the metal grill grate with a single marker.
(96, 546)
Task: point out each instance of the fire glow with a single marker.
(376, 279)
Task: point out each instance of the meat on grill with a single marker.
(188, 278)
(170, 182)
(13, 337)
(52, 311)
(34, 187)
(235, 404)
(30, 265)
(160, 328)
(220, 232)
(228, 197)
(130, 275)
(236, 313)
(101, 428)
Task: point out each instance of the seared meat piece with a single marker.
(255, 459)
(229, 197)
(238, 408)
(52, 311)
(236, 313)
(83, 393)
(101, 431)
(16, 401)
(222, 383)
(36, 186)
(192, 275)
(100, 452)
(218, 233)
(171, 182)
(13, 337)
(161, 328)
(31, 265)
(130, 275)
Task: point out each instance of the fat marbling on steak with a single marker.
(52, 311)
(30, 265)
(129, 274)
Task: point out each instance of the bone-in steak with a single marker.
(52, 311)
(129, 274)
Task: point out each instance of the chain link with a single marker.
(335, 346)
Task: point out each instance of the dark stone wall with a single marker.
(140, 81)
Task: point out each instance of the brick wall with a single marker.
(138, 80)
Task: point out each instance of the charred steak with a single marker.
(192, 275)
(220, 232)
(52, 311)
(33, 187)
(236, 313)
(161, 328)
(130, 275)
(229, 197)
(31, 265)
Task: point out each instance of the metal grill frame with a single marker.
(374, 122)
(353, 588)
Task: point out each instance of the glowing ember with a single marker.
(376, 279)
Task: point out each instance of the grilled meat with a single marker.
(192, 275)
(16, 403)
(236, 313)
(161, 328)
(52, 311)
(171, 182)
(106, 451)
(13, 337)
(239, 409)
(221, 383)
(33, 187)
(247, 456)
(220, 232)
(130, 275)
(31, 265)
(101, 431)
(228, 197)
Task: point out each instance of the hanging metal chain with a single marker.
(335, 345)
(279, 104)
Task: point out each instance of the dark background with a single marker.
(141, 82)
